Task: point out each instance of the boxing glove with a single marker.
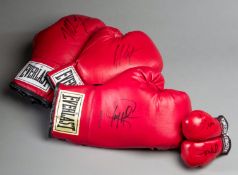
(132, 110)
(201, 126)
(106, 54)
(53, 47)
(196, 154)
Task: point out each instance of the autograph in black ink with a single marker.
(123, 53)
(213, 150)
(100, 119)
(210, 124)
(207, 125)
(122, 114)
(72, 25)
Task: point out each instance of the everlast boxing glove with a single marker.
(206, 138)
(106, 54)
(196, 154)
(131, 110)
(53, 47)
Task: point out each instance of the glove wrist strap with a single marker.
(223, 123)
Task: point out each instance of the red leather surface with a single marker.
(195, 154)
(60, 43)
(201, 126)
(130, 111)
(109, 52)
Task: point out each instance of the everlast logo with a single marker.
(68, 111)
(67, 76)
(34, 73)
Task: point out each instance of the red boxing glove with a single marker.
(53, 47)
(106, 54)
(131, 110)
(196, 154)
(202, 126)
(206, 136)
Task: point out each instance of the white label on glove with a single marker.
(68, 112)
(34, 73)
(67, 76)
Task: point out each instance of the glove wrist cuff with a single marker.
(31, 82)
(223, 123)
(66, 114)
(226, 141)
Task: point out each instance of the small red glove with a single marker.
(206, 138)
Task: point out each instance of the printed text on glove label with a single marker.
(34, 73)
(68, 112)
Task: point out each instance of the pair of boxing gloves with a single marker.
(129, 107)
(80, 50)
